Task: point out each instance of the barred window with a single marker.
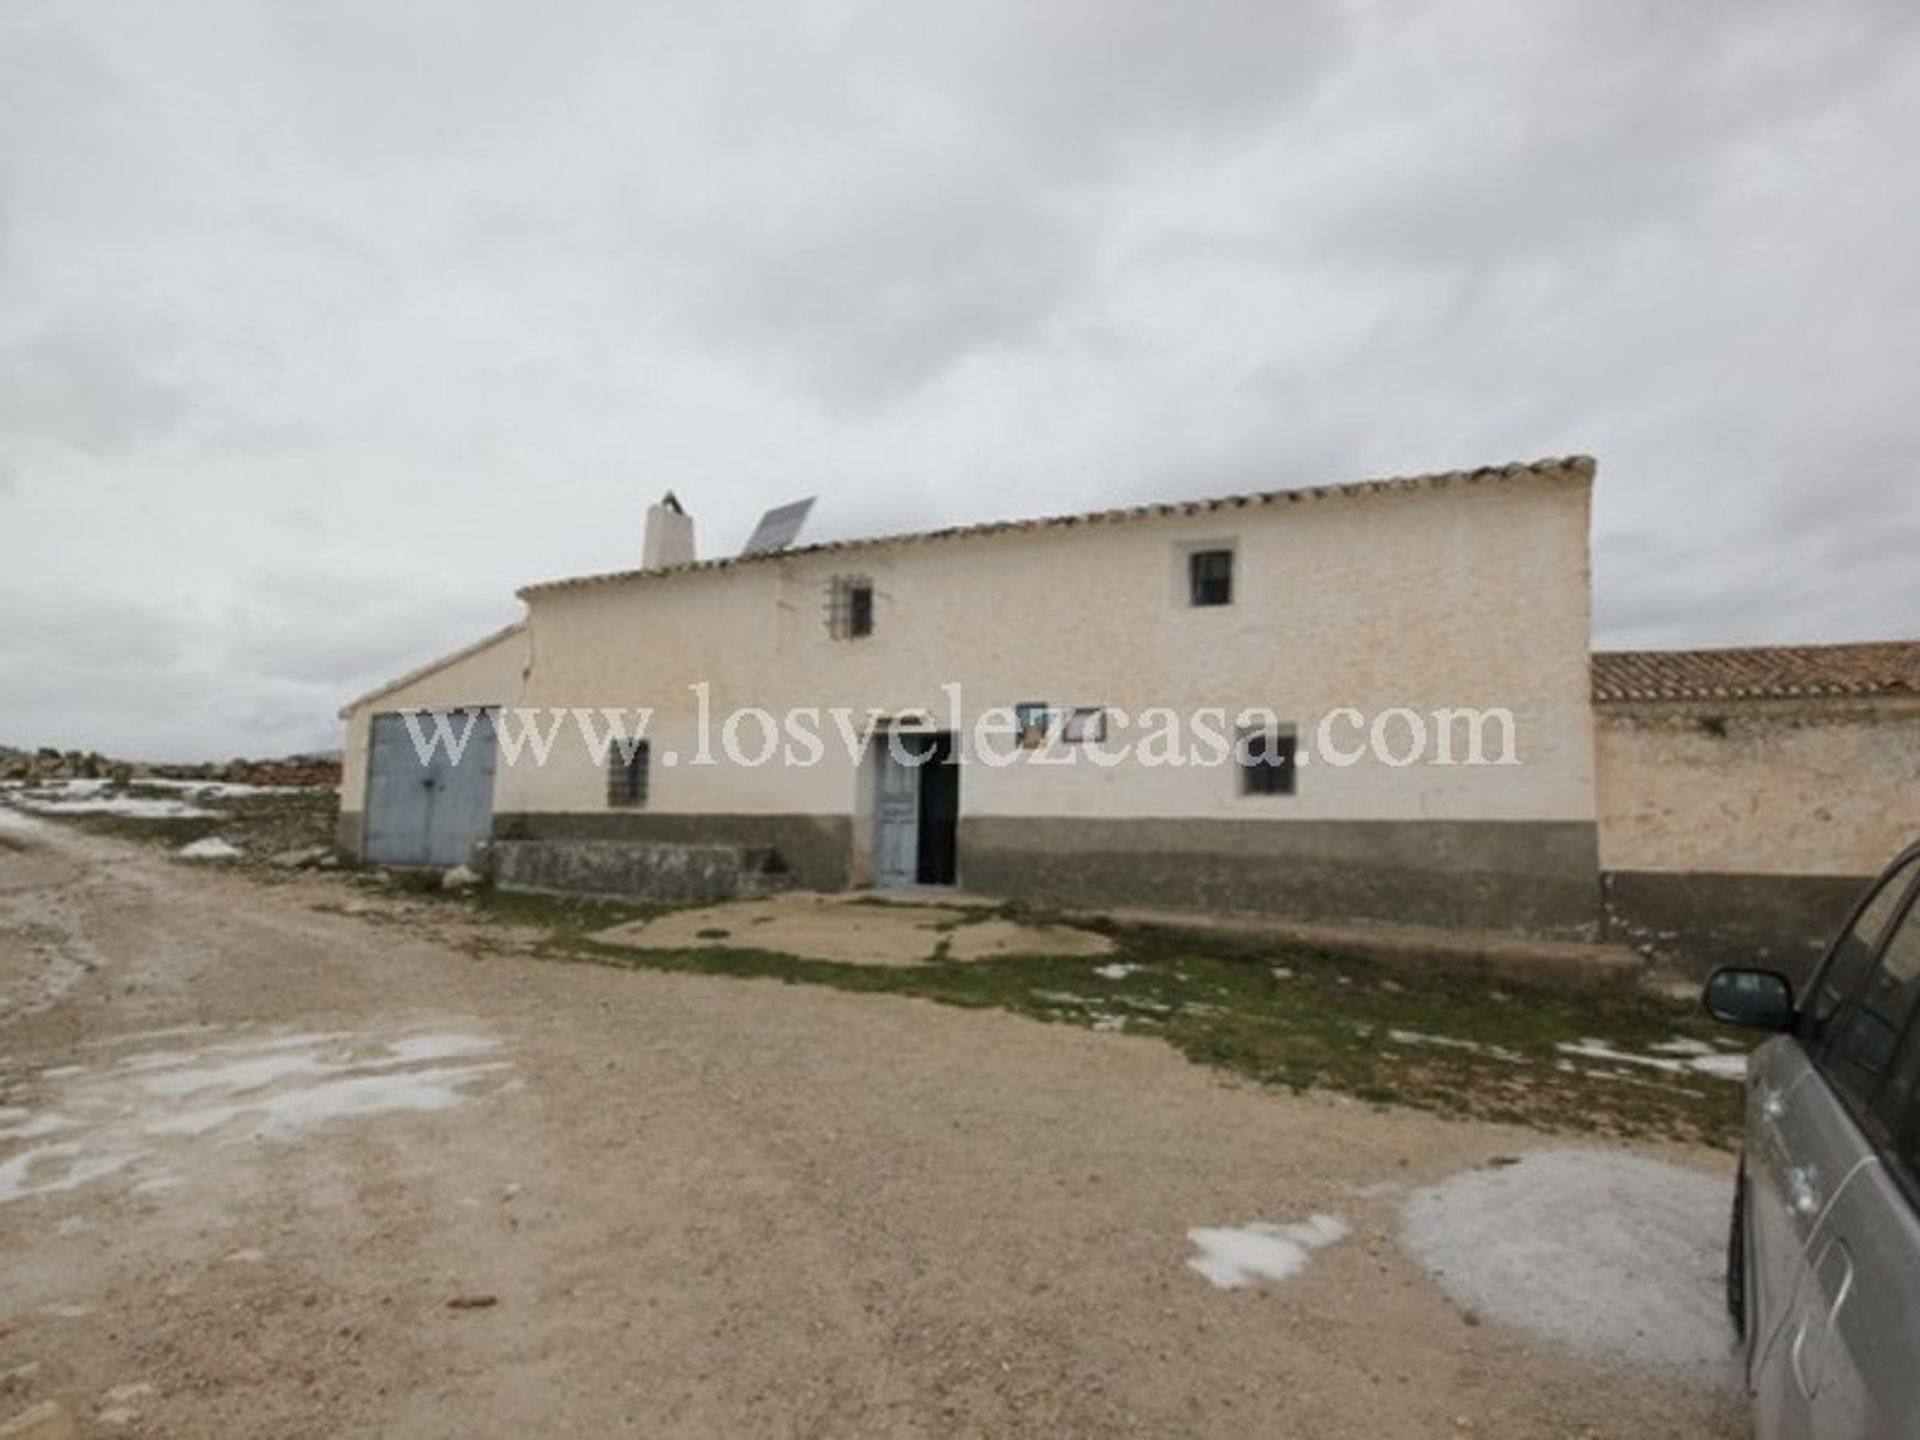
(850, 607)
(1266, 758)
(627, 775)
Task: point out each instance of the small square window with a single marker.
(1087, 725)
(1032, 720)
(1210, 577)
(850, 607)
(1266, 759)
(627, 775)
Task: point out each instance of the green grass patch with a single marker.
(1299, 1020)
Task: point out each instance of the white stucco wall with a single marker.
(492, 672)
(1467, 595)
(1789, 788)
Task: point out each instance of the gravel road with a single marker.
(271, 1169)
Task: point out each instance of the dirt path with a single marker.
(252, 1147)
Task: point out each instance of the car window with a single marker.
(1864, 1032)
(1854, 952)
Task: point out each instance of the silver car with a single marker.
(1823, 1255)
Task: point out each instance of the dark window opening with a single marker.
(1086, 725)
(1266, 762)
(850, 607)
(1210, 577)
(627, 775)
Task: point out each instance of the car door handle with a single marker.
(1803, 1190)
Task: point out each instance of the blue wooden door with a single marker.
(896, 819)
(431, 808)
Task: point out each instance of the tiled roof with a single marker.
(1774, 672)
(1570, 467)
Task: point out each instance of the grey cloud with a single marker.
(1608, 121)
(347, 631)
(969, 219)
(333, 322)
(81, 387)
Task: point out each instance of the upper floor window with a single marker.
(850, 607)
(1210, 577)
(1033, 720)
(1085, 724)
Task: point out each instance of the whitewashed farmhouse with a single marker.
(1464, 590)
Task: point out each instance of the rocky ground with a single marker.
(276, 1159)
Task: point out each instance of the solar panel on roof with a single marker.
(778, 528)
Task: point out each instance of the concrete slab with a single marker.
(854, 930)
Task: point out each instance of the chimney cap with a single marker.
(671, 502)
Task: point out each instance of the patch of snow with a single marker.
(1723, 1067)
(1117, 971)
(286, 1113)
(211, 847)
(1280, 972)
(48, 1169)
(153, 1108)
(12, 820)
(1449, 1042)
(1682, 1046)
(1109, 1023)
(134, 807)
(1236, 1258)
(17, 1124)
(1378, 1189)
(218, 789)
(1611, 1254)
(1720, 1067)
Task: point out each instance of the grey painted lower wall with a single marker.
(663, 870)
(1532, 877)
(815, 850)
(1693, 921)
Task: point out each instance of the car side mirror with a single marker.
(1738, 995)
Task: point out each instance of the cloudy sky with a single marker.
(325, 325)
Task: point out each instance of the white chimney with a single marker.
(669, 535)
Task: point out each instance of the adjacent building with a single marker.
(1746, 796)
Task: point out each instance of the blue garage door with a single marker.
(431, 811)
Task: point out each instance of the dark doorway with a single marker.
(939, 811)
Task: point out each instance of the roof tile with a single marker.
(1568, 467)
(1775, 672)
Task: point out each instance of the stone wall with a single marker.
(1740, 830)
